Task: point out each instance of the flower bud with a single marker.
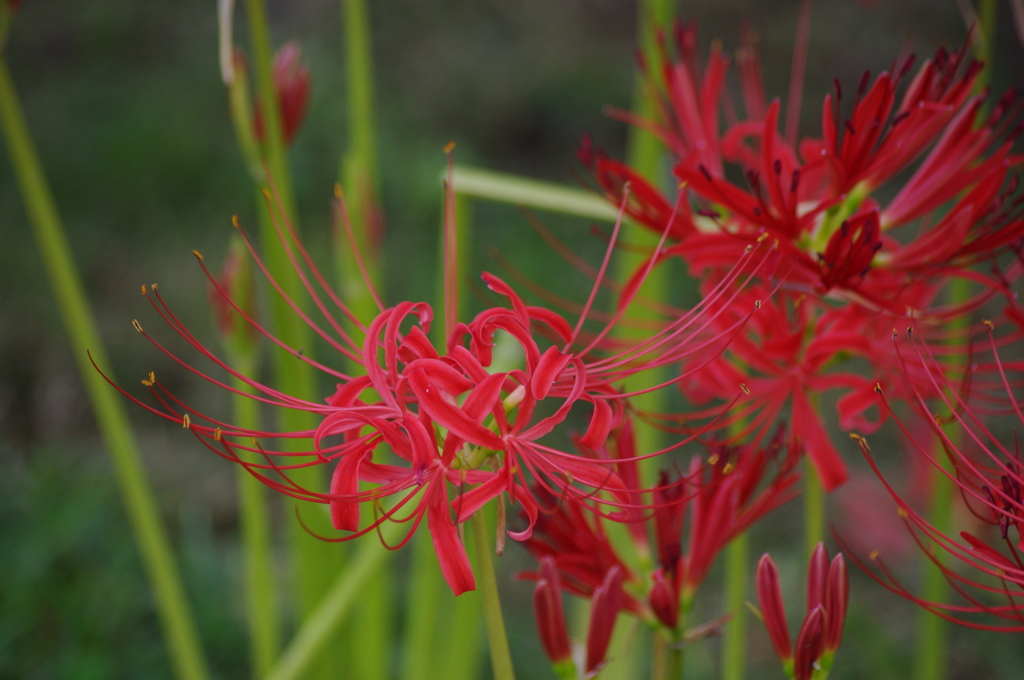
(291, 85)
(817, 576)
(235, 289)
(769, 595)
(604, 610)
(547, 606)
(836, 598)
(810, 643)
(664, 599)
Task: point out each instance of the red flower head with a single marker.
(462, 430)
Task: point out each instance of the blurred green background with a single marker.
(126, 105)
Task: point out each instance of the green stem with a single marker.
(501, 658)
(321, 624)
(316, 562)
(154, 547)
(258, 559)
(735, 637)
(931, 653)
(421, 610)
(814, 508)
(507, 188)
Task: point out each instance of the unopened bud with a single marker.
(604, 610)
(547, 606)
(291, 85)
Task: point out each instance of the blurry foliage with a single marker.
(126, 106)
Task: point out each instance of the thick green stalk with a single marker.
(150, 537)
(735, 639)
(315, 562)
(369, 640)
(321, 625)
(421, 606)
(645, 154)
(931, 653)
(257, 553)
(487, 583)
(814, 508)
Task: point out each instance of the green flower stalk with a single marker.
(150, 537)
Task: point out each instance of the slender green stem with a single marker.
(321, 625)
(735, 638)
(931, 653)
(150, 537)
(421, 608)
(316, 562)
(814, 508)
(501, 658)
(507, 188)
(260, 589)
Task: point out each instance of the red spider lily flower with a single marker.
(547, 605)
(822, 629)
(462, 431)
(985, 468)
(291, 84)
(815, 195)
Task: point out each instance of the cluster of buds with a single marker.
(821, 632)
(605, 603)
(692, 519)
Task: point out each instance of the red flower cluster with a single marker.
(462, 430)
(844, 260)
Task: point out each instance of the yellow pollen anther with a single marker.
(727, 469)
(757, 304)
(712, 459)
(186, 422)
(136, 325)
(762, 238)
(337, 191)
(234, 222)
(449, 146)
(143, 289)
(895, 333)
(155, 287)
(775, 245)
(878, 388)
(901, 512)
(197, 254)
(989, 324)
(861, 441)
(218, 435)
(748, 248)
(267, 194)
(874, 555)
(746, 390)
(151, 380)
(682, 185)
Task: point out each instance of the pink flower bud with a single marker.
(769, 595)
(604, 610)
(547, 606)
(836, 598)
(817, 575)
(291, 84)
(664, 599)
(810, 644)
